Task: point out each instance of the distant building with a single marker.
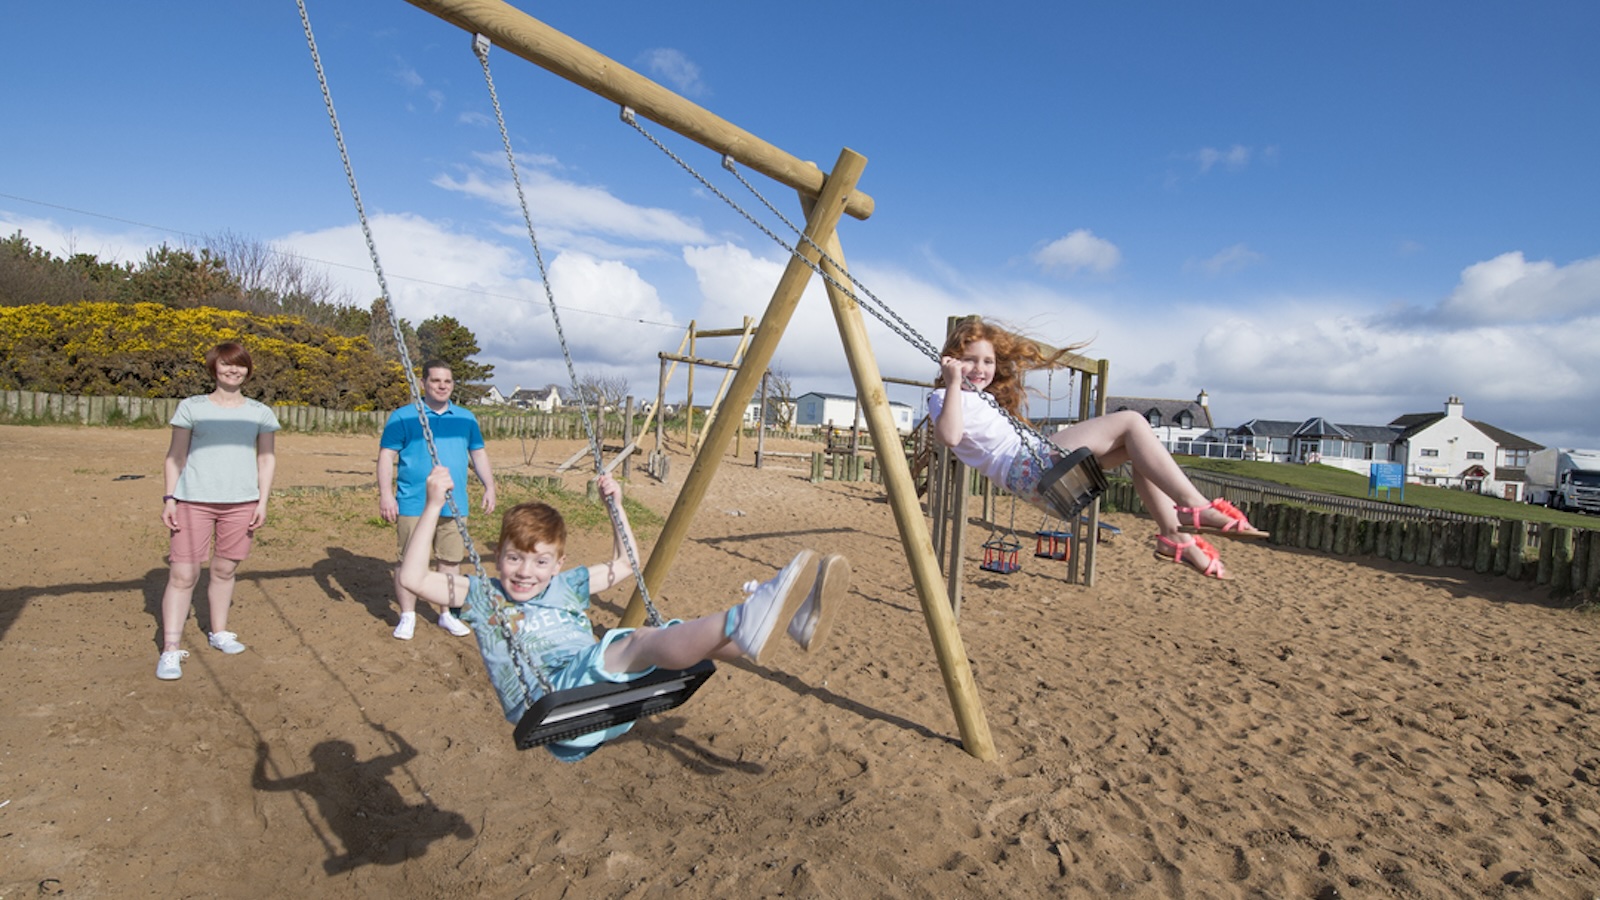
(778, 411)
(546, 399)
(1177, 422)
(1172, 420)
(1449, 449)
(815, 410)
(1438, 448)
(492, 397)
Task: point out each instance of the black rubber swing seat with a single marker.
(562, 715)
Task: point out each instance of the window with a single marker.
(1185, 420)
(1155, 418)
(1427, 453)
(1474, 454)
(1517, 458)
(1332, 447)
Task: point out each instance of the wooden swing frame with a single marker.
(824, 197)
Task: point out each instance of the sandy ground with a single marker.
(1314, 728)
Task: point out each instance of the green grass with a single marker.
(1331, 480)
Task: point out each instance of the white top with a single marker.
(989, 441)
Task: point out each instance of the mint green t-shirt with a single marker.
(221, 467)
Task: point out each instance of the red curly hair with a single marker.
(1014, 354)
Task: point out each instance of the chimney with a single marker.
(1452, 407)
(1203, 400)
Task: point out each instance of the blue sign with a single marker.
(1387, 477)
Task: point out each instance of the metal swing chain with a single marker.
(383, 284)
(521, 664)
(480, 48)
(899, 326)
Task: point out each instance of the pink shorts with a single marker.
(199, 522)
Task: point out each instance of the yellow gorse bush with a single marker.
(151, 350)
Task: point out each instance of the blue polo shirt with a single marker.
(455, 435)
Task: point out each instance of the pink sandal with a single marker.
(1238, 525)
(1180, 554)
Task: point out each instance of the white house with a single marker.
(815, 410)
(1451, 450)
(778, 411)
(1174, 421)
(1438, 448)
(546, 399)
(492, 397)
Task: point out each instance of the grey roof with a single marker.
(1411, 423)
(1318, 427)
(848, 398)
(1506, 439)
(1267, 428)
(1169, 409)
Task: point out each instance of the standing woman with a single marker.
(218, 473)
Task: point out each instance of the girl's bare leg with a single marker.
(1125, 436)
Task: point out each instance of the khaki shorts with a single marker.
(448, 548)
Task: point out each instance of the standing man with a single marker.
(458, 440)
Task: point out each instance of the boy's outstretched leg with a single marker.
(744, 630)
(811, 623)
(771, 604)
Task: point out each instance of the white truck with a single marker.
(1565, 478)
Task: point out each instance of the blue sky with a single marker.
(1344, 210)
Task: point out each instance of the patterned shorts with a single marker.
(589, 667)
(1022, 478)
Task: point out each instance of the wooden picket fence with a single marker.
(1566, 559)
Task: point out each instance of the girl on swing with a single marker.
(981, 356)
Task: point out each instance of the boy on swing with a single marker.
(543, 608)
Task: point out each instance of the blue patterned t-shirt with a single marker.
(550, 630)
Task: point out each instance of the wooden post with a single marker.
(1561, 561)
(826, 197)
(1483, 555)
(1519, 540)
(1591, 578)
(1580, 558)
(785, 297)
(936, 611)
(761, 419)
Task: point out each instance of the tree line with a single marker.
(78, 325)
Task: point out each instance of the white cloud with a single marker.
(1079, 251)
(1233, 158)
(1229, 260)
(488, 287)
(560, 206)
(128, 245)
(674, 69)
(1508, 288)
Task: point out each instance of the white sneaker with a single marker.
(170, 668)
(770, 603)
(811, 623)
(226, 641)
(453, 625)
(407, 626)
